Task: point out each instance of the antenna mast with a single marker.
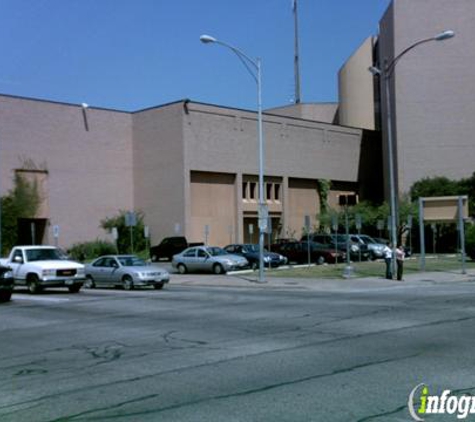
(296, 53)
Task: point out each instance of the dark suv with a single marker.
(170, 246)
(6, 283)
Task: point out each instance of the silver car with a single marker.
(208, 258)
(127, 271)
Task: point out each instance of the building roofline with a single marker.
(42, 100)
(183, 100)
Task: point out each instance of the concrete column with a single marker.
(239, 223)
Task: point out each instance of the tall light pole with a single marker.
(385, 73)
(253, 66)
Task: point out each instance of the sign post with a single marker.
(307, 232)
(56, 234)
(131, 222)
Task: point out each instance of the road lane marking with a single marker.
(17, 296)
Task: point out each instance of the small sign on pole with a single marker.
(56, 234)
(263, 218)
(130, 219)
(358, 222)
(115, 235)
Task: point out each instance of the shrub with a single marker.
(90, 250)
(470, 241)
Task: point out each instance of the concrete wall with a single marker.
(225, 140)
(213, 206)
(222, 141)
(89, 171)
(433, 86)
(159, 175)
(320, 112)
(356, 89)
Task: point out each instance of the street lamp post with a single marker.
(385, 73)
(253, 66)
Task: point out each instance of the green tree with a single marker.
(22, 201)
(435, 186)
(124, 240)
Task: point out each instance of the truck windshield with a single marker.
(43, 255)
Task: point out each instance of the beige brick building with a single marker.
(189, 167)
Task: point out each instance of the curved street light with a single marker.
(385, 74)
(253, 66)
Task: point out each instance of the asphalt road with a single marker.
(197, 353)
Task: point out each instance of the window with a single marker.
(244, 190)
(252, 190)
(277, 191)
(269, 189)
(190, 253)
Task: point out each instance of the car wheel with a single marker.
(182, 268)
(89, 283)
(320, 260)
(33, 284)
(218, 269)
(154, 258)
(159, 286)
(74, 288)
(5, 295)
(254, 265)
(128, 282)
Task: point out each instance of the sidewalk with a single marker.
(251, 280)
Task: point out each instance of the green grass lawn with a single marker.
(375, 268)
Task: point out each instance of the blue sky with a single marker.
(133, 54)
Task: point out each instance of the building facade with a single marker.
(191, 168)
(432, 90)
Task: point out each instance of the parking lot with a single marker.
(198, 351)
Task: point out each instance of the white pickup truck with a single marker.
(38, 267)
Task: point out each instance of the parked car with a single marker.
(6, 283)
(40, 267)
(127, 271)
(170, 246)
(251, 253)
(376, 249)
(339, 242)
(208, 258)
(319, 253)
(280, 242)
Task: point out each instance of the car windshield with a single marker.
(340, 237)
(367, 239)
(253, 248)
(214, 251)
(44, 255)
(131, 261)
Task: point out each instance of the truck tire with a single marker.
(33, 284)
(5, 295)
(74, 288)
